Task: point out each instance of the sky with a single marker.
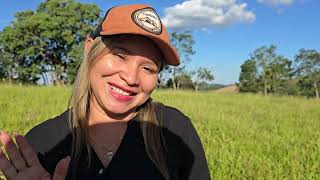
(225, 31)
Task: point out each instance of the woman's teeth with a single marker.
(120, 91)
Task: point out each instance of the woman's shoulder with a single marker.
(174, 120)
(184, 147)
(48, 133)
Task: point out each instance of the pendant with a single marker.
(110, 155)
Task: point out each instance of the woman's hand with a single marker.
(23, 163)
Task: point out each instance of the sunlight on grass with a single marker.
(245, 136)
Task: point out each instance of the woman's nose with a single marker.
(131, 75)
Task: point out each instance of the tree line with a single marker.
(47, 45)
(268, 72)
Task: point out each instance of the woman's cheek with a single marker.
(149, 85)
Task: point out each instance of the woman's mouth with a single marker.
(121, 94)
(120, 91)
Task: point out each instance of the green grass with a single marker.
(245, 136)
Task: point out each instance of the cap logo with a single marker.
(148, 20)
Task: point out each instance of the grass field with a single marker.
(245, 136)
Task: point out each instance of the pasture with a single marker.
(245, 136)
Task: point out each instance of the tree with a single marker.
(40, 42)
(266, 71)
(183, 42)
(264, 56)
(6, 66)
(248, 77)
(75, 57)
(308, 67)
(305, 86)
(169, 83)
(202, 75)
(185, 81)
(280, 74)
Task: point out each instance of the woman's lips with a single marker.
(120, 94)
(131, 92)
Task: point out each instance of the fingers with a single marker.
(22, 161)
(61, 170)
(12, 151)
(6, 167)
(28, 153)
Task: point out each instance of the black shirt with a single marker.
(52, 140)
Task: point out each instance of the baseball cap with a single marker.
(139, 19)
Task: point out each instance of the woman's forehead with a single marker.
(137, 45)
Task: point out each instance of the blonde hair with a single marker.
(79, 114)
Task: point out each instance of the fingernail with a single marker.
(66, 162)
(67, 158)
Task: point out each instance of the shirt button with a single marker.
(100, 171)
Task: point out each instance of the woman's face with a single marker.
(123, 79)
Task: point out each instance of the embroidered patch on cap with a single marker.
(148, 20)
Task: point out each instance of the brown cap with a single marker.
(138, 19)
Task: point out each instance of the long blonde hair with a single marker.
(79, 114)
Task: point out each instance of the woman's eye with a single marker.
(149, 70)
(122, 57)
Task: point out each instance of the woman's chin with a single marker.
(119, 111)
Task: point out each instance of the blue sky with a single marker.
(225, 31)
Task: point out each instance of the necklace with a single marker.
(108, 152)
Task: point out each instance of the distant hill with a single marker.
(215, 86)
(232, 88)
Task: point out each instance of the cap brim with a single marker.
(170, 54)
(168, 51)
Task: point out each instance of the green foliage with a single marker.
(269, 72)
(76, 56)
(305, 85)
(193, 80)
(308, 68)
(5, 64)
(44, 41)
(183, 42)
(202, 75)
(248, 77)
(184, 81)
(280, 73)
(264, 57)
(245, 136)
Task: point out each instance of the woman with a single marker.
(112, 129)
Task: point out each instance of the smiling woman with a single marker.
(128, 72)
(113, 129)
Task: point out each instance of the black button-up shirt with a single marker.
(52, 140)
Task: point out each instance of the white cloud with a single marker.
(276, 2)
(198, 14)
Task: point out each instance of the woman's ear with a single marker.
(87, 45)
